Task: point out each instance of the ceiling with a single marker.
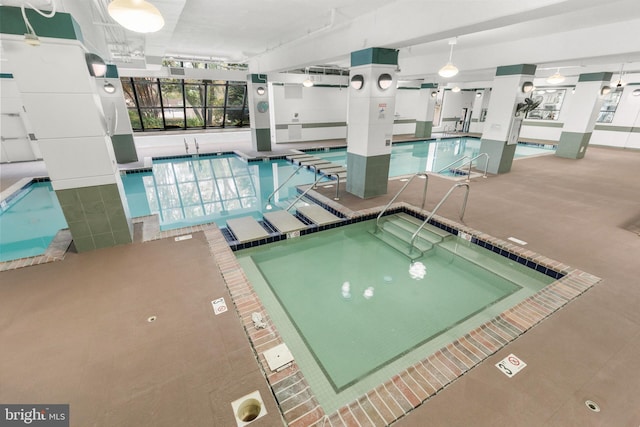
(577, 36)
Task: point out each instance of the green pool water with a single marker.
(389, 308)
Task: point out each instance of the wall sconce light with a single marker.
(605, 90)
(357, 81)
(449, 70)
(96, 65)
(636, 92)
(556, 78)
(307, 83)
(434, 94)
(139, 16)
(527, 87)
(260, 90)
(455, 89)
(384, 81)
(478, 94)
(109, 88)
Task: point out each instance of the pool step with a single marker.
(284, 221)
(247, 229)
(318, 215)
(401, 244)
(397, 231)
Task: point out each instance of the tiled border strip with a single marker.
(411, 387)
(56, 251)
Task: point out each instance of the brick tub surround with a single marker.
(413, 386)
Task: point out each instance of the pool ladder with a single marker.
(469, 162)
(411, 250)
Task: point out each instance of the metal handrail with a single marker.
(453, 163)
(486, 165)
(304, 193)
(268, 206)
(337, 186)
(446, 196)
(424, 195)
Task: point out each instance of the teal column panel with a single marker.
(368, 175)
(261, 139)
(573, 145)
(96, 216)
(124, 148)
(500, 156)
(423, 129)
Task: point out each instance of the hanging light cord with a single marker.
(451, 52)
(46, 15)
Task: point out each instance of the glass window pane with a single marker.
(195, 117)
(194, 95)
(609, 106)
(234, 117)
(214, 117)
(127, 89)
(550, 104)
(215, 97)
(147, 91)
(171, 92)
(235, 95)
(245, 117)
(152, 118)
(173, 118)
(134, 117)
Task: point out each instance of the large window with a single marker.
(550, 104)
(609, 106)
(165, 104)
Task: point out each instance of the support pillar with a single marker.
(582, 115)
(69, 124)
(503, 123)
(258, 91)
(370, 120)
(424, 121)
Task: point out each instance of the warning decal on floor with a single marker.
(219, 306)
(510, 365)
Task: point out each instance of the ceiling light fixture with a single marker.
(455, 89)
(556, 78)
(449, 70)
(139, 16)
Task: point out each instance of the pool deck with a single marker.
(89, 314)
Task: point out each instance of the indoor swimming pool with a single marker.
(30, 220)
(375, 312)
(185, 191)
(431, 155)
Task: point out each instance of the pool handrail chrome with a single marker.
(268, 205)
(452, 163)
(446, 196)
(424, 195)
(304, 193)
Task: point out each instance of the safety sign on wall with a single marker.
(219, 306)
(510, 365)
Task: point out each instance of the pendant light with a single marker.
(139, 16)
(307, 82)
(556, 78)
(449, 70)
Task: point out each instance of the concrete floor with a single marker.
(76, 331)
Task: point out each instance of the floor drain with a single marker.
(593, 406)
(151, 319)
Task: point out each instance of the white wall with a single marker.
(15, 145)
(407, 106)
(294, 106)
(480, 103)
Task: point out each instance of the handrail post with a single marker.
(424, 196)
(446, 196)
(281, 185)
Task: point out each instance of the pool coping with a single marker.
(414, 385)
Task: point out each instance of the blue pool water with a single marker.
(432, 155)
(29, 222)
(188, 191)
